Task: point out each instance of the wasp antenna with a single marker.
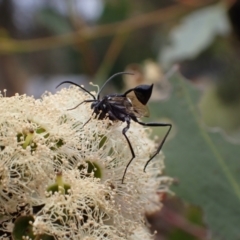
(113, 76)
(77, 86)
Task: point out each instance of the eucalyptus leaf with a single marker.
(195, 33)
(44, 237)
(22, 228)
(206, 165)
(53, 21)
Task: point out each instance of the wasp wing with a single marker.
(139, 109)
(121, 103)
(129, 104)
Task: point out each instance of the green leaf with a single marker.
(226, 116)
(92, 167)
(44, 237)
(177, 220)
(191, 36)
(52, 20)
(114, 11)
(206, 165)
(22, 227)
(55, 188)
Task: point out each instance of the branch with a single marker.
(9, 46)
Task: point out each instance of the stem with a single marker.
(28, 140)
(59, 182)
(9, 46)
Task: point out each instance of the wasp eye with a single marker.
(109, 98)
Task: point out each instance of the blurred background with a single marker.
(188, 48)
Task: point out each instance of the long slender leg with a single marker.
(87, 122)
(130, 146)
(162, 142)
(86, 101)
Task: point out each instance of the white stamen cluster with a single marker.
(41, 141)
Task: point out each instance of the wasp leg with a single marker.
(112, 116)
(86, 122)
(130, 146)
(86, 101)
(164, 139)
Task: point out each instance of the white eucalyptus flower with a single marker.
(66, 177)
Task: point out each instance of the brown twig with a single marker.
(180, 222)
(111, 54)
(8, 46)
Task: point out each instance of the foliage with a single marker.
(54, 38)
(204, 163)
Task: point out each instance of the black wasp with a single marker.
(125, 107)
